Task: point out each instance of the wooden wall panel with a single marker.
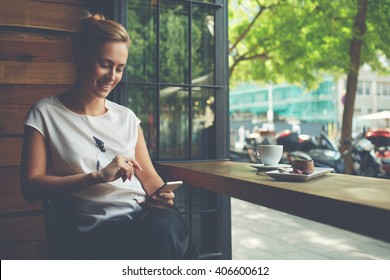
(68, 2)
(14, 228)
(26, 95)
(34, 47)
(39, 14)
(36, 73)
(11, 198)
(16, 202)
(30, 250)
(10, 151)
(11, 120)
(15, 101)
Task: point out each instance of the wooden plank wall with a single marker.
(35, 61)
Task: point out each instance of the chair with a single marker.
(57, 228)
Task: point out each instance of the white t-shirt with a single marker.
(73, 150)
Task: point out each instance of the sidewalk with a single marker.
(264, 234)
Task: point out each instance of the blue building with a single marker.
(288, 102)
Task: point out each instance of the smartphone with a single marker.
(168, 186)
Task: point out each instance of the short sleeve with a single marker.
(35, 118)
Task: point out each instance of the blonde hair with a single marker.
(96, 30)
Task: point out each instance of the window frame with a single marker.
(220, 73)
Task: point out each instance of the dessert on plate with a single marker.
(303, 167)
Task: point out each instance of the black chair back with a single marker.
(58, 230)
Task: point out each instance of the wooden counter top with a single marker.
(354, 203)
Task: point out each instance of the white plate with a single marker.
(262, 167)
(318, 171)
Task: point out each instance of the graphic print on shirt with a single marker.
(103, 157)
(99, 144)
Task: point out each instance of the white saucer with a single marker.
(318, 171)
(262, 167)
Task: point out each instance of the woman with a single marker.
(101, 165)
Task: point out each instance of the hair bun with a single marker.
(91, 19)
(95, 30)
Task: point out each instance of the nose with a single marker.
(110, 76)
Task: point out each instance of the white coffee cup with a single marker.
(269, 154)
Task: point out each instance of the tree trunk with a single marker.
(359, 29)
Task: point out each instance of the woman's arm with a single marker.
(34, 180)
(36, 183)
(149, 178)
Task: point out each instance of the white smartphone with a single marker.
(168, 186)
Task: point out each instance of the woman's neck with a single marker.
(79, 102)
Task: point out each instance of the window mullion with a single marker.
(158, 66)
(190, 121)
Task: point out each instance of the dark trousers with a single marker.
(153, 234)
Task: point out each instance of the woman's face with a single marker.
(100, 71)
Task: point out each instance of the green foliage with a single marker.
(377, 39)
(297, 40)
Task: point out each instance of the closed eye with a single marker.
(105, 65)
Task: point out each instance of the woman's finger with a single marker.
(165, 196)
(134, 164)
(125, 167)
(161, 200)
(128, 173)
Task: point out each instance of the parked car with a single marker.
(320, 149)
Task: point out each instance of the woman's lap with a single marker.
(154, 234)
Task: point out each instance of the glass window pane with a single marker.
(174, 42)
(174, 124)
(203, 52)
(203, 126)
(143, 101)
(141, 26)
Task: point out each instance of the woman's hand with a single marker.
(161, 200)
(119, 167)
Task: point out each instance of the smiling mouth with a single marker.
(105, 86)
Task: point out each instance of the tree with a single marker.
(289, 40)
(297, 40)
(359, 30)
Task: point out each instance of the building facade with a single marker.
(323, 106)
(372, 96)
